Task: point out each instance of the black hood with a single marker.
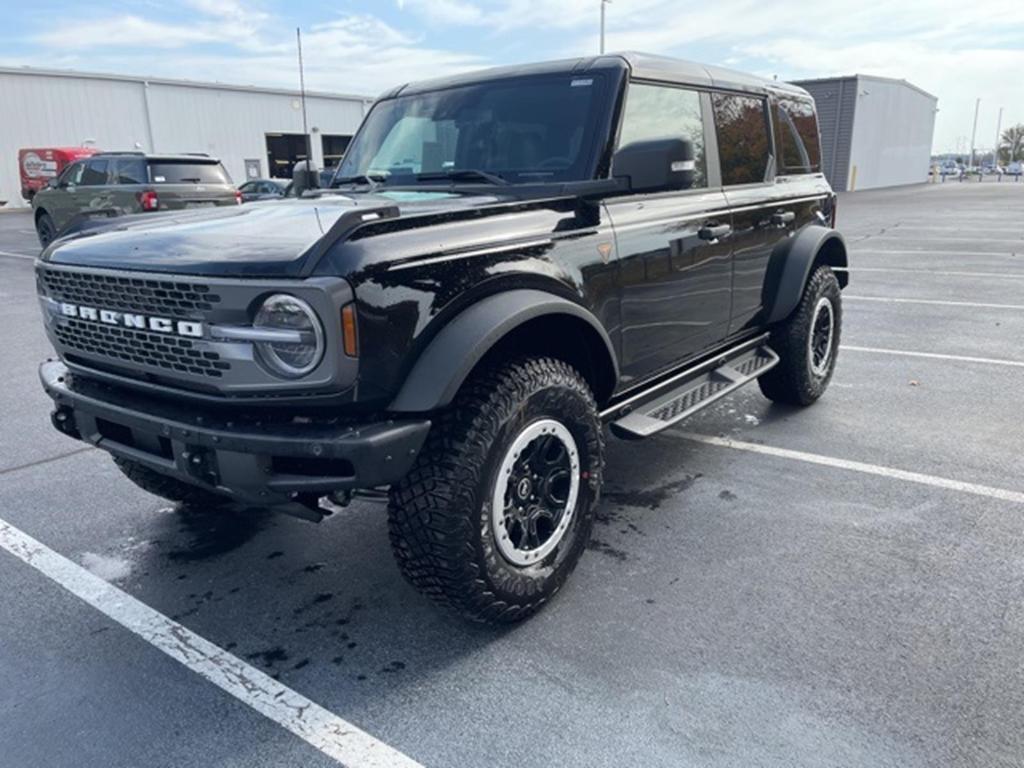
(272, 239)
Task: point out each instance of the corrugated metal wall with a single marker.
(836, 101)
(43, 109)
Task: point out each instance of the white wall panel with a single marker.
(892, 134)
(45, 109)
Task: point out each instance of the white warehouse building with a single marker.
(256, 132)
(875, 131)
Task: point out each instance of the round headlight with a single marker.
(294, 342)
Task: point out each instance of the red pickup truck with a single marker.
(38, 166)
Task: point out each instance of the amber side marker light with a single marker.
(348, 330)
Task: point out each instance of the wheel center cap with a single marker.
(524, 488)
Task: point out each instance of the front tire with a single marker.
(498, 509)
(46, 230)
(807, 343)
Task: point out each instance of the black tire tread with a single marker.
(430, 532)
(791, 382)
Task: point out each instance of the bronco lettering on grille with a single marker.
(167, 325)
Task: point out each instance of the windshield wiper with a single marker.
(462, 174)
(371, 179)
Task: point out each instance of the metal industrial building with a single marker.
(875, 131)
(254, 131)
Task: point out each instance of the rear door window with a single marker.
(743, 138)
(95, 173)
(796, 130)
(129, 170)
(184, 172)
(663, 112)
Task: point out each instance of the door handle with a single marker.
(714, 231)
(782, 218)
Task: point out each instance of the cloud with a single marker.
(123, 31)
(956, 54)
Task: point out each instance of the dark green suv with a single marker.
(119, 183)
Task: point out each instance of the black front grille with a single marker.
(133, 346)
(168, 298)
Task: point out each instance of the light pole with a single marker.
(999, 127)
(974, 131)
(603, 4)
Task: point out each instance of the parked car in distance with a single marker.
(38, 166)
(109, 184)
(1015, 168)
(263, 189)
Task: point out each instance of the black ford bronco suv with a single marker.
(507, 263)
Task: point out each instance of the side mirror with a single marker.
(658, 165)
(53, 183)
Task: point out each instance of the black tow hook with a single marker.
(63, 420)
(200, 465)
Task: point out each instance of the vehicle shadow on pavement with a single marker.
(309, 604)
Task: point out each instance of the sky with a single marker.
(956, 51)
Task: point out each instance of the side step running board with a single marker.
(690, 391)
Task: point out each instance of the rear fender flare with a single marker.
(452, 354)
(790, 267)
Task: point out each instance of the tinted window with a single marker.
(95, 173)
(129, 170)
(73, 174)
(743, 142)
(796, 130)
(661, 112)
(185, 172)
(531, 129)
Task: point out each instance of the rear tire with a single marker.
(807, 343)
(168, 487)
(46, 230)
(498, 508)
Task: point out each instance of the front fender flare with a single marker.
(790, 266)
(453, 353)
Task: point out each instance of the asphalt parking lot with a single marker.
(836, 586)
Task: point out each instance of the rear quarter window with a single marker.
(174, 172)
(129, 170)
(796, 131)
(744, 145)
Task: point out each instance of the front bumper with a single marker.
(253, 459)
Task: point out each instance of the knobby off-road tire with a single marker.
(517, 434)
(168, 487)
(807, 343)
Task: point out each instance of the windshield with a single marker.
(531, 129)
(185, 172)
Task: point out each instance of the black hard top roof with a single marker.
(642, 66)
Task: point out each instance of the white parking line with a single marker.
(334, 737)
(857, 466)
(918, 239)
(975, 304)
(17, 255)
(926, 271)
(934, 356)
(930, 252)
